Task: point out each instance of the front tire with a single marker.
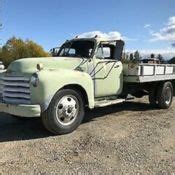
(65, 112)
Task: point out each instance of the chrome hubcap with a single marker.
(168, 95)
(67, 110)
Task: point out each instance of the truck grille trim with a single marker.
(16, 90)
(15, 100)
(16, 95)
(17, 84)
(16, 79)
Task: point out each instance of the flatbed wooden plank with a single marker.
(142, 79)
(148, 72)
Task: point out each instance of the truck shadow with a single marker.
(126, 106)
(12, 129)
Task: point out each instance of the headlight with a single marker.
(34, 80)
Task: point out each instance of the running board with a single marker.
(104, 103)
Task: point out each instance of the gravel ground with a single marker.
(128, 138)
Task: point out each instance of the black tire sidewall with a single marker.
(56, 125)
(161, 95)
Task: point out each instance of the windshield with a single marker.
(83, 49)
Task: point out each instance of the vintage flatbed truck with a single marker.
(87, 72)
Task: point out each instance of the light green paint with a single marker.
(52, 81)
(108, 84)
(29, 65)
(61, 71)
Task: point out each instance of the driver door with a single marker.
(107, 74)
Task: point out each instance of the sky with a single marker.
(145, 25)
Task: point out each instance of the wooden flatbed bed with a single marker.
(145, 72)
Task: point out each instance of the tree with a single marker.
(160, 58)
(131, 57)
(0, 29)
(137, 56)
(152, 55)
(127, 56)
(16, 48)
(172, 61)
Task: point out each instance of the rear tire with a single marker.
(65, 112)
(165, 95)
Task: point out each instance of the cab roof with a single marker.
(96, 39)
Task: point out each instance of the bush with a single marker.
(16, 48)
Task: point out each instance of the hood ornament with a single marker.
(40, 66)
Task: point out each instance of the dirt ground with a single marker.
(128, 138)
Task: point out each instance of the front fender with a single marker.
(51, 81)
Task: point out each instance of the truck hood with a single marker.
(28, 65)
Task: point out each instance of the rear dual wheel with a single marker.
(161, 96)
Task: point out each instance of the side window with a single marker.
(103, 52)
(107, 52)
(72, 51)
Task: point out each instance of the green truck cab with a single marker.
(86, 72)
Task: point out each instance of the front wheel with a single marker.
(65, 112)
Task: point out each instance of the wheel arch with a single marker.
(87, 97)
(78, 88)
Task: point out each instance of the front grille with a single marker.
(16, 90)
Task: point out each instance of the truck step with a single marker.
(103, 103)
